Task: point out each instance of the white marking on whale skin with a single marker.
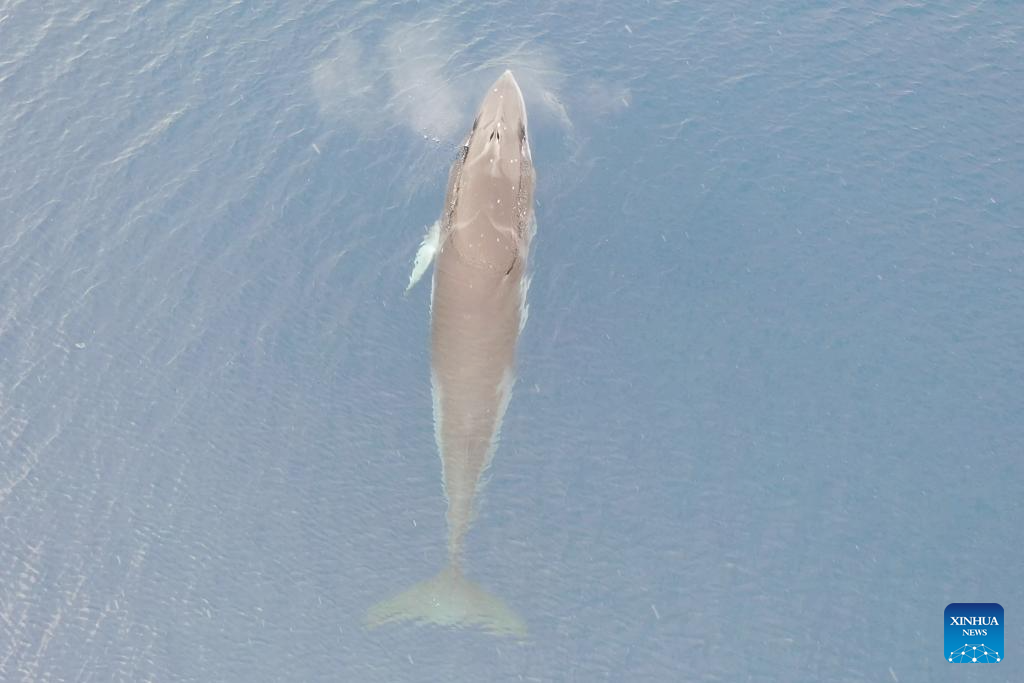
(437, 401)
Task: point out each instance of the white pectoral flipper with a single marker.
(425, 254)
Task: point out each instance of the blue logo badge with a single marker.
(974, 633)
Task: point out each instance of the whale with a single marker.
(479, 250)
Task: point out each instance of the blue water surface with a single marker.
(769, 418)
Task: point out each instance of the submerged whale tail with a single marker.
(449, 599)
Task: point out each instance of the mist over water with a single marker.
(767, 422)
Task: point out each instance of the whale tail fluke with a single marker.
(449, 599)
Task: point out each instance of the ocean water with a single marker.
(769, 417)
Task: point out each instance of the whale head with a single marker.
(498, 144)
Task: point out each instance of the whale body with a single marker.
(479, 248)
